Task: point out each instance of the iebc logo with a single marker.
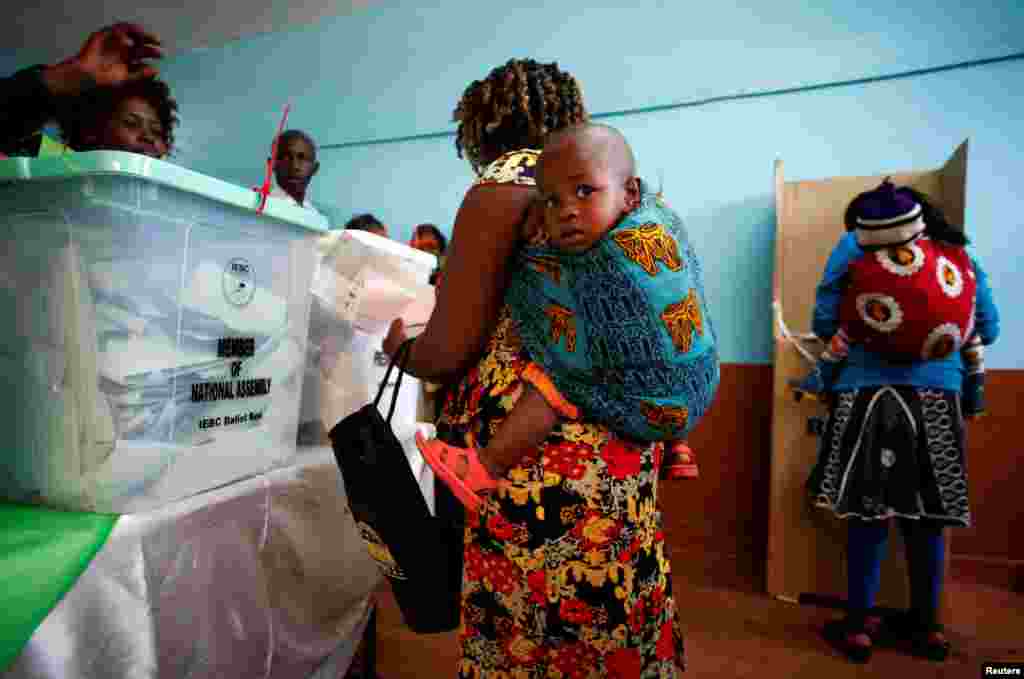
(238, 282)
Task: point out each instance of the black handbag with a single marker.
(420, 554)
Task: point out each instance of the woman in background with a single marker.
(138, 117)
(895, 445)
(111, 59)
(428, 238)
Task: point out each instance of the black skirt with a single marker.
(893, 452)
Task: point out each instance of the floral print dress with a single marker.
(565, 571)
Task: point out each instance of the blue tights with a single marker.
(925, 550)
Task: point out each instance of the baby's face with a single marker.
(584, 195)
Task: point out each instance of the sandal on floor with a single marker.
(886, 631)
(921, 640)
(442, 459)
(840, 633)
(930, 643)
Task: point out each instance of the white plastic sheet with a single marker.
(264, 578)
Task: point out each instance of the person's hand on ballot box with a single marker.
(395, 337)
(414, 317)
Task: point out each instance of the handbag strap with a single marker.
(398, 384)
(401, 358)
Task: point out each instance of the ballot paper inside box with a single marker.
(153, 330)
(363, 283)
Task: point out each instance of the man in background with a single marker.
(367, 222)
(294, 168)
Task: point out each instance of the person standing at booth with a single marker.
(894, 444)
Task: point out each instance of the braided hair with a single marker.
(935, 223)
(515, 107)
(93, 109)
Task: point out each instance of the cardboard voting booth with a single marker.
(806, 546)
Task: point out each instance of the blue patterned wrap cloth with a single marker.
(622, 330)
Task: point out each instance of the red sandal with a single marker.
(441, 457)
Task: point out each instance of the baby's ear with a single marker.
(632, 193)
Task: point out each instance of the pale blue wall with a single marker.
(396, 71)
(717, 163)
(9, 62)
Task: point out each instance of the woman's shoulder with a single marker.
(514, 167)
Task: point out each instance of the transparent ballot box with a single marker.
(154, 327)
(364, 282)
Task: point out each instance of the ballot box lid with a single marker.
(135, 167)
